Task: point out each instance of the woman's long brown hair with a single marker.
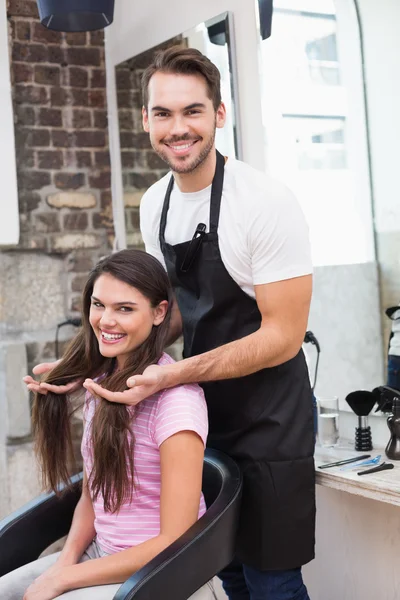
(113, 468)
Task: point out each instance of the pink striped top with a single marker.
(156, 419)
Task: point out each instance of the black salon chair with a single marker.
(177, 572)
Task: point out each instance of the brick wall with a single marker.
(59, 99)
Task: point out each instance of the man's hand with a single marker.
(153, 379)
(42, 387)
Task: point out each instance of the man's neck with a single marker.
(200, 178)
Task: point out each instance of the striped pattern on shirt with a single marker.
(155, 419)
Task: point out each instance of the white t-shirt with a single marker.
(262, 232)
(394, 346)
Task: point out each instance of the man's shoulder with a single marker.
(258, 185)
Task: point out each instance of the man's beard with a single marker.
(186, 167)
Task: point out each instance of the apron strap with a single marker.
(216, 193)
(163, 219)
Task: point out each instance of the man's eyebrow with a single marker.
(194, 105)
(116, 303)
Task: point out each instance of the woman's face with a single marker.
(121, 317)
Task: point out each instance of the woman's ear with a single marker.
(159, 312)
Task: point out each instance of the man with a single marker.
(235, 245)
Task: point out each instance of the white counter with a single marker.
(358, 531)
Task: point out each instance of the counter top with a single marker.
(383, 486)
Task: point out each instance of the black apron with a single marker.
(264, 420)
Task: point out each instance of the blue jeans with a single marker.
(241, 582)
(393, 371)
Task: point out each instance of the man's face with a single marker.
(181, 120)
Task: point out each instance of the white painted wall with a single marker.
(9, 220)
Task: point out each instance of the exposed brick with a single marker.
(127, 159)
(55, 54)
(125, 99)
(83, 159)
(22, 137)
(26, 158)
(81, 119)
(76, 39)
(154, 161)
(76, 221)
(72, 241)
(79, 263)
(123, 78)
(83, 56)
(72, 200)
(142, 140)
(25, 115)
(40, 137)
(101, 180)
(142, 181)
(97, 38)
(22, 73)
(47, 223)
(29, 52)
(23, 30)
(51, 117)
(78, 77)
(78, 283)
(105, 199)
(59, 96)
(45, 36)
(50, 159)
(28, 201)
(98, 78)
(132, 199)
(90, 139)
(76, 304)
(100, 119)
(47, 75)
(79, 97)
(28, 241)
(97, 98)
(30, 94)
(69, 181)
(135, 219)
(33, 180)
(62, 139)
(125, 119)
(126, 139)
(23, 8)
(102, 159)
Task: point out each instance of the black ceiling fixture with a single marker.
(265, 8)
(76, 15)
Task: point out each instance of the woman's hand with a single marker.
(153, 379)
(49, 585)
(42, 387)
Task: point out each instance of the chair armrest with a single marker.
(199, 554)
(28, 531)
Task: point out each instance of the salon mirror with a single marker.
(140, 165)
(331, 123)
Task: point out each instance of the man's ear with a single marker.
(221, 116)
(145, 118)
(159, 312)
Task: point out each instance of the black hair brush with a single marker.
(361, 403)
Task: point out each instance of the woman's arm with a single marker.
(82, 529)
(182, 458)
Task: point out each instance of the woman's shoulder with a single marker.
(191, 391)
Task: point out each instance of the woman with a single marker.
(142, 465)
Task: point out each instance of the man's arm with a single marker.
(284, 307)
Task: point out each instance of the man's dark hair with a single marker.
(184, 61)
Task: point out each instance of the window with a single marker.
(314, 120)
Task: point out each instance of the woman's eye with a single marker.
(126, 309)
(97, 304)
